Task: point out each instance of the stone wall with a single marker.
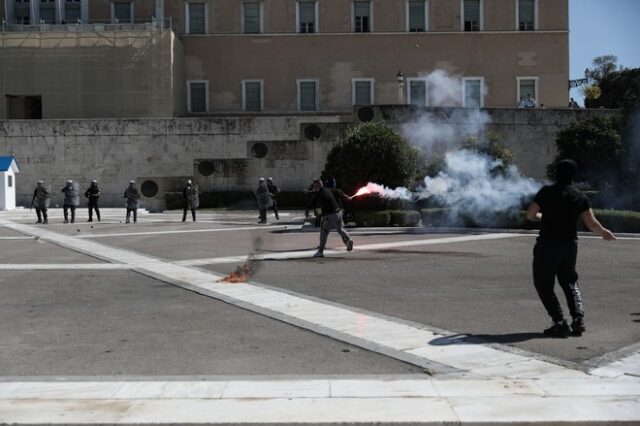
(224, 153)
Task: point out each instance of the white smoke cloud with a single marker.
(471, 183)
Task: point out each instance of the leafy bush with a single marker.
(369, 218)
(372, 152)
(619, 220)
(373, 202)
(404, 217)
(443, 217)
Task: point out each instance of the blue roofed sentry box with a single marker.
(8, 169)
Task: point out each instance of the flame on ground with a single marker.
(240, 275)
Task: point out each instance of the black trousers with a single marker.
(274, 207)
(135, 214)
(553, 259)
(185, 208)
(93, 205)
(41, 213)
(66, 208)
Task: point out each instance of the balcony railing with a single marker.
(79, 26)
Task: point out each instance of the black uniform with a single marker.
(274, 191)
(556, 248)
(93, 195)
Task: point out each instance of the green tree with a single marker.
(621, 89)
(596, 145)
(489, 144)
(372, 152)
(602, 66)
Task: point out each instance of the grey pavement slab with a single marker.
(122, 323)
(483, 289)
(38, 251)
(9, 233)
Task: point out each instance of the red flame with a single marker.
(240, 275)
(362, 191)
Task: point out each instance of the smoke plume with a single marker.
(471, 183)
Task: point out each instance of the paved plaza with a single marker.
(107, 323)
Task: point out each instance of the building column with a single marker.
(59, 11)
(9, 14)
(84, 11)
(159, 15)
(35, 12)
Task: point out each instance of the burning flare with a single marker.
(240, 275)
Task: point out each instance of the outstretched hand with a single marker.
(608, 235)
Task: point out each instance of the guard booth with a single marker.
(8, 170)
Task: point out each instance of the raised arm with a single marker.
(533, 212)
(594, 226)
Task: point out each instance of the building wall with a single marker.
(93, 74)
(168, 151)
(225, 60)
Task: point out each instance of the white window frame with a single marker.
(261, 3)
(113, 11)
(426, 15)
(462, 16)
(317, 12)
(353, 16)
(187, 30)
(206, 93)
(371, 89)
(244, 93)
(308, 80)
(535, 96)
(426, 89)
(464, 98)
(535, 15)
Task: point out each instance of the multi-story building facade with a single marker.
(143, 58)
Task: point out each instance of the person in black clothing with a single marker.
(558, 207)
(190, 200)
(327, 199)
(93, 194)
(274, 191)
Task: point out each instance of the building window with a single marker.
(72, 13)
(48, 11)
(308, 95)
(122, 12)
(527, 92)
(417, 92)
(362, 16)
(526, 15)
(22, 12)
(196, 18)
(417, 16)
(10, 181)
(362, 91)
(252, 17)
(307, 16)
(473, 92)
(472, 15)
(197, 96)
(252, 95)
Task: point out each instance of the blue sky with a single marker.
(601, 27)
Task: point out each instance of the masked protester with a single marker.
(41, 199)
(264, 199)
(93, 195)
(273, 191)
(329, 201)
(71, 200)
(132, 196)
(190, 200)
(558, 207)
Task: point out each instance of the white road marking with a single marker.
(377, 246)
(63, 266)
(16, 238)
(183, 231)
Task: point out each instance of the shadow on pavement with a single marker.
(470, 339)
